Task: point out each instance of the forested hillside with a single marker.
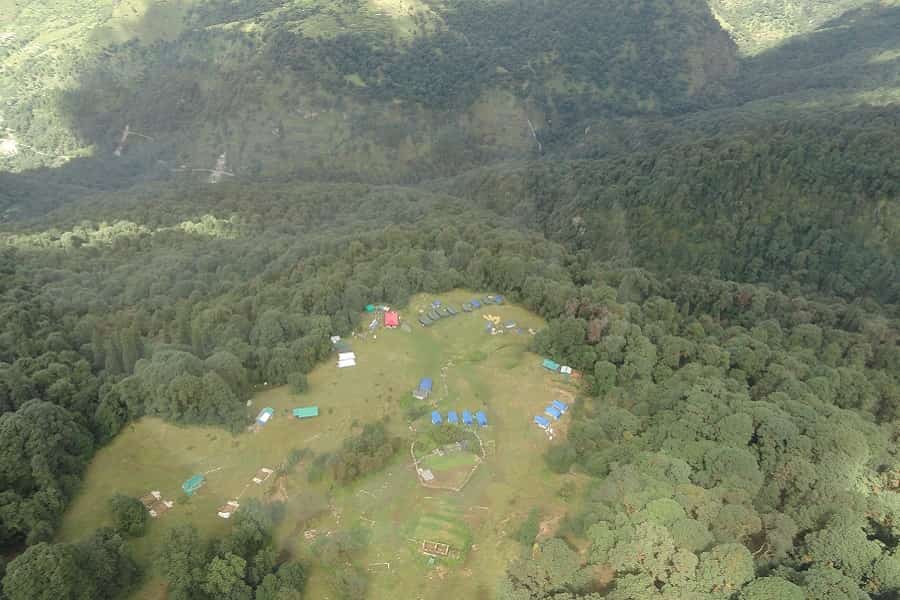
(700, 198)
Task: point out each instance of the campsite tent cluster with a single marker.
(440, 311)
(554, 410)
(453, 418)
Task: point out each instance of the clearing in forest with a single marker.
(491, 373)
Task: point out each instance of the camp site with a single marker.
(471, 400)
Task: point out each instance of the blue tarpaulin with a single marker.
(452, 418)
(435, 418)
(425, 384)
(467, 417)
(482, 418)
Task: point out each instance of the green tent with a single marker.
(192, 485)
(370, 308)
(306, 412)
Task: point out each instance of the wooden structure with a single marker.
(435, 548)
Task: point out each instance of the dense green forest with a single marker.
(701, 199)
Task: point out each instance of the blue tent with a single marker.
(560, 406)
(482, 418)
(553, 412)
(452, 418)
(476, 304)
(542, 422)
(435, 418)
(467, 417)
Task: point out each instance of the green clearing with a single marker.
(449, 461)
(444, 523)
(506, 382)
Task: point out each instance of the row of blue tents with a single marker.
(556, 409)
(453, 418)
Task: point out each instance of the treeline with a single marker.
(242, 565)
(108, 322)
(733, 426)
(733, 440)
(367, 452)
(805, 207)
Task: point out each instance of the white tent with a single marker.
(342, 364)
(346, 356)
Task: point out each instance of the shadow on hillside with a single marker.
(847, 57)
(174, 90)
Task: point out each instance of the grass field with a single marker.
(481, 372)
(449, 461)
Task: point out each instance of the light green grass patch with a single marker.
(448, 461)
(153, 455)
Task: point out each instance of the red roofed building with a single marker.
(391, 319)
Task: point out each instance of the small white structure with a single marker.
(228, 509)
(262, 475)
(335, 339)
(343, 364)
(565, 370)
(346, 356)
(426, 474)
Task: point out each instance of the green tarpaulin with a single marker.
(370, 308)
(306, 412)
(192, 485)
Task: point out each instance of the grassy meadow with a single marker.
(480, 372)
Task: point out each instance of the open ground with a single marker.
(481, 372)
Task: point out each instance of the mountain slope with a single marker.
(361, 90)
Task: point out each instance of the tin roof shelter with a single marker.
(560, 406)
(264, 415)
(424, 389)
(542, 422)
(553, 412)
